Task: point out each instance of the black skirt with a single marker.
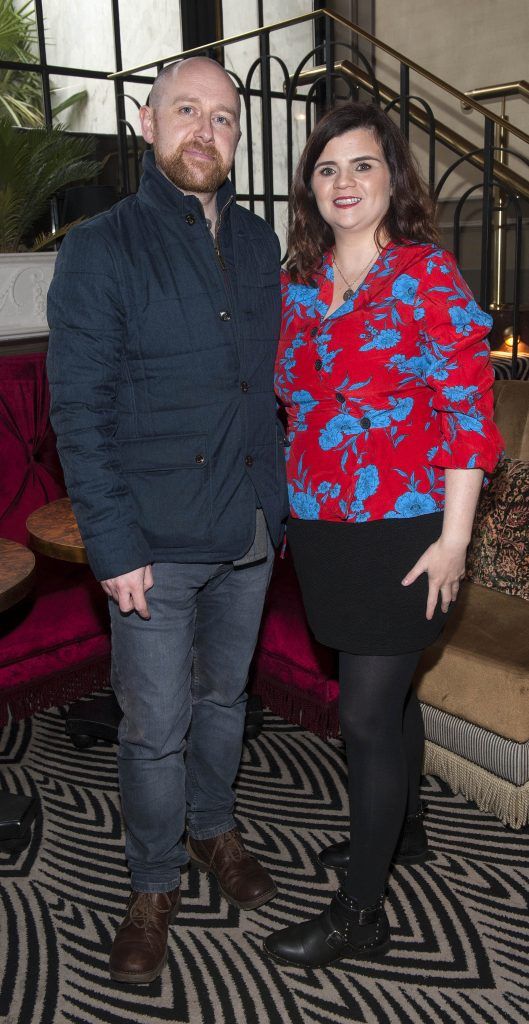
(350, 576)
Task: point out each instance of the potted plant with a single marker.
(35, 164)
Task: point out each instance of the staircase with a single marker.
(476, 172)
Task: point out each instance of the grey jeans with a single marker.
(180, 680)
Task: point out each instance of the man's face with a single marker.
(194, 127)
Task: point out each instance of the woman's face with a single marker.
(351, 183)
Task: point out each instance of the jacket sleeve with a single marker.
(85, 358)
(459, 370)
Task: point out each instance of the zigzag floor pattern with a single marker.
(460, 923)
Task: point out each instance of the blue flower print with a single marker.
(298, 297)
(367, 482)
(458, 393)
(333, 432)
(470, 423)
(478, 315)
(328, 490)
(387, 338)
(401, 408)
(399, 411)
(413, 503)
(326, 357)
(299, 294)
(306, 404)
(430, 365)
(418, 313)
(305, 504)
(471, 464)
(463, 317)
(288, 363)
(405, 288)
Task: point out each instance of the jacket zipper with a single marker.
(216, 240)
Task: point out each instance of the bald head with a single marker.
(192, 123)
(167, 77)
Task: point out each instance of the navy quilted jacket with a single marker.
(161, 376)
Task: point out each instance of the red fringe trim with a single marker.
(30, 698)
(298, 706)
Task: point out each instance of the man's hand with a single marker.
(129, 590)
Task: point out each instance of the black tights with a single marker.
(382, 728)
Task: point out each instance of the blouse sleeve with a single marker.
(459, 369)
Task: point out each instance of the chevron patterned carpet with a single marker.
(460, 922)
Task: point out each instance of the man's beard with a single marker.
(192, 175)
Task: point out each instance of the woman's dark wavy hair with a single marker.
(410, 217)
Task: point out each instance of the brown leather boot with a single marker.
(242, 880)
(139, 950)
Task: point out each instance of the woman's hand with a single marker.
(444, 561)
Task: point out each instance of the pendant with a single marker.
(348, 295)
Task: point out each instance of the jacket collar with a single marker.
(157, 191)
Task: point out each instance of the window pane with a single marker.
(20, 92)
(79, 34)
(19, 40)
(93, 109)
(21, 98)
(149, 31)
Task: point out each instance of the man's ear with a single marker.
(146, 120)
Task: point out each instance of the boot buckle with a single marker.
(335, 939)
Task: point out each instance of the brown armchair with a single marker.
(473, 683)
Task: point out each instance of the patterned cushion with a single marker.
(498, 555)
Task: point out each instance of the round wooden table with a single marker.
(53, 531)
(17, 573)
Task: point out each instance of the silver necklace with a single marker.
(351, 288)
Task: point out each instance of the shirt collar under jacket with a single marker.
(157, 191)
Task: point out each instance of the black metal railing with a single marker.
(476, 160)
(477, 176)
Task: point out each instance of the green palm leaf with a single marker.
(35, 164)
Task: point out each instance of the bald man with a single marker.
(164, 316)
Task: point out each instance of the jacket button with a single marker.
(249, 460)
(190, 218)
(245, 386)
(318, 364)
(314, 332)
(224, 315)
(339, 397)
(200, 459)
(365, 423)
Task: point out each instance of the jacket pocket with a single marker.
(170, 481)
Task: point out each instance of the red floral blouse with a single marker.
(387, 392)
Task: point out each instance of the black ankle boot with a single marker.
(342, 931)
(412, 847)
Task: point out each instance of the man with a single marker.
(164, 316)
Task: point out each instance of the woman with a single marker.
(384, 372)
